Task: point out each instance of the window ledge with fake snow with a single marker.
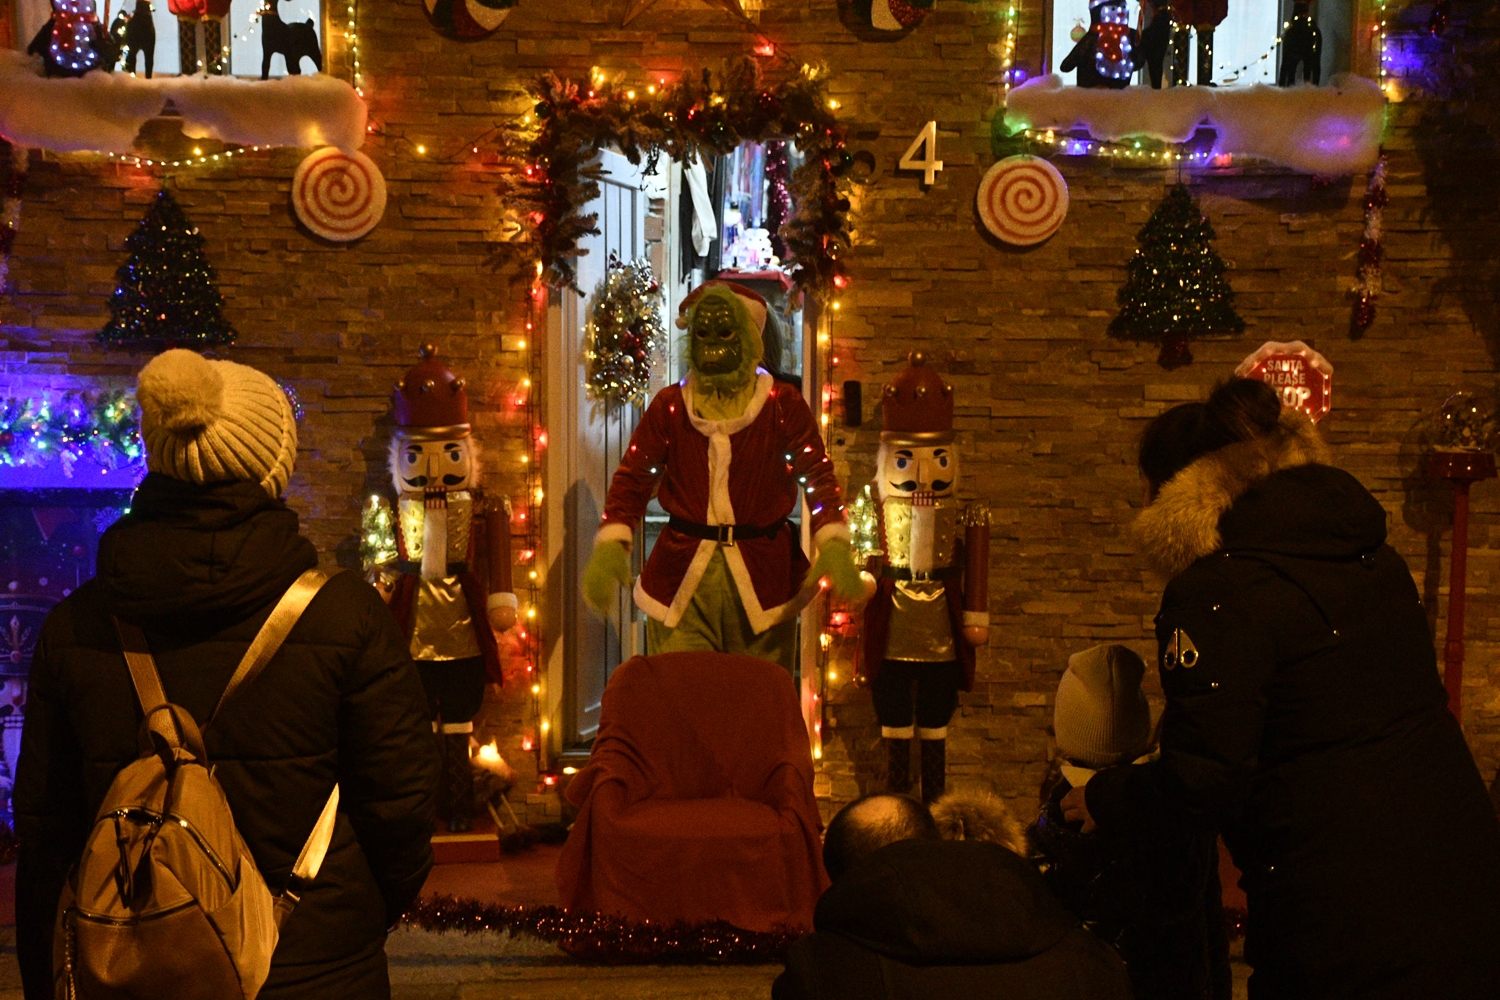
(1322, 130)
(104, 112)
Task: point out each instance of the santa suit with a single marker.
(739, 479)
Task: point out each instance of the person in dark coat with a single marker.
(1155, 898)
(912, 917)
(1305, 716)
(199, 561)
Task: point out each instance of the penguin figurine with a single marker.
(1107, 54)
(73, 42)
(1301, 43)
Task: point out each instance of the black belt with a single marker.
(903, 573)
(415, 568)
(724, 534)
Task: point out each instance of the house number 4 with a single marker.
(926, 144)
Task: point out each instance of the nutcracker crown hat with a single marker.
(753, 302)
(1101, 717)
(917, 407)
(430, 402)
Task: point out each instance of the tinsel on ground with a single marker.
(604, 938)
(105, 428)
(694, 115)
(624, 333)
(166, 293)
(1175, 286)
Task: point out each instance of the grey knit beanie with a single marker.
(215, 421)
(1101, 717)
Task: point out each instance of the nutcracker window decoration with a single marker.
(930, 608)
(450, 584)
(727, 451)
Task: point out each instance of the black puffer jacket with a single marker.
(199, 568)
(1157, 899)
(925, 919)
(1305, 716)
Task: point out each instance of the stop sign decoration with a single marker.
(1300, 375)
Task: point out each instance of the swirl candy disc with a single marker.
(1023, 200)
(339, 197)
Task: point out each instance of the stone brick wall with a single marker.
(1049, 405)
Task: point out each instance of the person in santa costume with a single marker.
(930, 608)
(728, 451)
(451, 587)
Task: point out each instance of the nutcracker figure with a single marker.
(930, 607)
(450, 588)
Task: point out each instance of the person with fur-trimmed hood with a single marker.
(1305, 716)
(727, 451)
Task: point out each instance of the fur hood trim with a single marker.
(1182, 525)
(975, 814)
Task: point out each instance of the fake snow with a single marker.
(103, 112)
(1323, 130)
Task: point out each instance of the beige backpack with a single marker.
(166, 900)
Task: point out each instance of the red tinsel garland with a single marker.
(604, 938)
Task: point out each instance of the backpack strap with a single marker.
(143, 675)
(271, 635)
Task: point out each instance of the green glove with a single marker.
(836, 561)
(608, 566)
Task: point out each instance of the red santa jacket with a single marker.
(746, 471)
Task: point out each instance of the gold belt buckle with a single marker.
(728, 532)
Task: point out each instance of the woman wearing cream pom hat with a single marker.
(205, 552)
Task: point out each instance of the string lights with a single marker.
(1070, 145)
(1007, 50)
(198, 159)
(527, 522)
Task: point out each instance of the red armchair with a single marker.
(697, 801)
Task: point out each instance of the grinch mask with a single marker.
(418, 466)
(906, 469)
(717, 342)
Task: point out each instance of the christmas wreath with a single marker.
(624, 331)
(695, 115)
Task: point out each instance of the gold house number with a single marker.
(926, 144)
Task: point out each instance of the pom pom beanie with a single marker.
(1101, 717)
(215, 421)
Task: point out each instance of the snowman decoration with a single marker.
(1108, 52)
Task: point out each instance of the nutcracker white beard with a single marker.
(433, 469)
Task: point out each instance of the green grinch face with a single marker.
(716, 342)
(434, 465)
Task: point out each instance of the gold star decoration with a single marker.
(747, 11)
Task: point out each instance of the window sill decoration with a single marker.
(1323, 130)
(693, 116)
(104, 112)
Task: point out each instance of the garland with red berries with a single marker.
(696, 115)
(1371, 250)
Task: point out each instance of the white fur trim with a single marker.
(940, 733)
(976, 619)
(763, 383)
(898, 733)
(671, 615)
(501, 601)
(763, 618)
(830, 530)
(615, 532)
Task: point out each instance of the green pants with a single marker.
(715, 619)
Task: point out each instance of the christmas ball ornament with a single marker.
(1023, 200)
(1466, 422)
(468, 20)
(338, 196)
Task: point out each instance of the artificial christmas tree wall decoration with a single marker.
(1175, 286)
(166, 293)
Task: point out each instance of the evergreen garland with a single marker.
(623, 333)
(166, 293)
(696, 115)
(106, 428)
(1175, 286)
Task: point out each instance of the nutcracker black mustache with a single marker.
(910, 486)
(420, 481)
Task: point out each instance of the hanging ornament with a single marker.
(1023, 200)
(13, 164)
(887, 15)
(1371, 250)
(624, 332)
(468, 20)
(339, 197)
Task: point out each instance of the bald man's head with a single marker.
(866, 825)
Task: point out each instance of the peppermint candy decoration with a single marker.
(338, 196)
(1023, 200)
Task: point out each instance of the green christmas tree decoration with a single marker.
(377, 536)
(1175, 287)
(166, 293)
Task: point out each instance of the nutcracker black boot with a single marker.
(898, 770)
(458, 776)
(443, 800)
(934, 770)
